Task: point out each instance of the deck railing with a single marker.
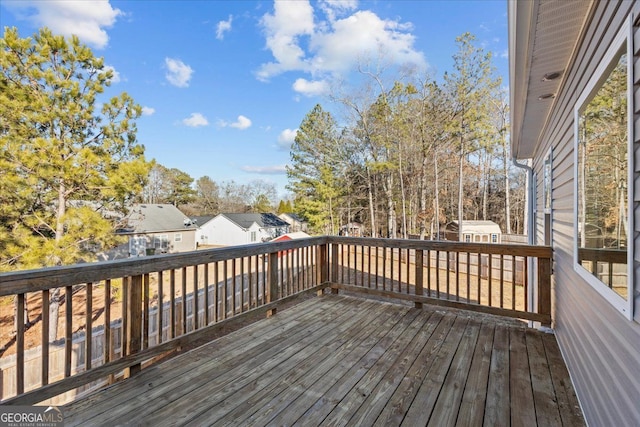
(115, 316)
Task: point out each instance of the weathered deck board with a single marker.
(338, 360)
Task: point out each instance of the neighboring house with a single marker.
(474, 231)
(158, 228)
(575, 102)
(296, 222)
(230, 229)
(204, 231)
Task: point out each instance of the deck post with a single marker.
(322, 270)
(273, 289)
(333, 278)
(419, 286)
(134, 324)
(544, 288)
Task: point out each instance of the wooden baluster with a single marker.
(108, 350)
(160, 306)
(273, 294)
(68, 330)
(206, 294)
(184, 301)
(88, 338)
(419, 275)
(45, 338)
(20, 327)
(195, 297)
(172, 304)
(501, 281)
(145, 325)
(134, 314)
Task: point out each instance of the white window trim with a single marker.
(177, 237)
(625, 34)
(547, 191)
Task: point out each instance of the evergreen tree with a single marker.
(64, 163)
(314, 173)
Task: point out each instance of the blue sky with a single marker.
(225, 84)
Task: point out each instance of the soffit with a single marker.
(542, 38)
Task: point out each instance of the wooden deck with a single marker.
(339, 360)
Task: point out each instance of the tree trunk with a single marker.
(423, 197)
(391, 211)
(460, 190)
(372, 211)
(402, 193)
(436, 191)
(54, 307)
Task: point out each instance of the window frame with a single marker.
(625, 35)
(547, 182)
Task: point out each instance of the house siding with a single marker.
(600, 345)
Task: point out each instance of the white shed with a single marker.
(474, 231)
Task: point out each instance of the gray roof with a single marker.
(155, 218)
(202, 220)
(264, 220)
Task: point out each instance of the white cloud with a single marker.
(178, 73)
(286, 138)
(333, 46)
(85, 19)
(223, 27)
(332, 8)
(266, 170)
(115, 74)
(195, 120)
(148, 111)
(289, 22)
(242, 123)
(364, 34)
(311, 88)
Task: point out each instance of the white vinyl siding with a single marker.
(600, 345)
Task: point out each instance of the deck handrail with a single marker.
(227, 284)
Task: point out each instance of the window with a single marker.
(177, 237)
(161, 243)
(602, 146)
(254, 236)
(494, 238)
